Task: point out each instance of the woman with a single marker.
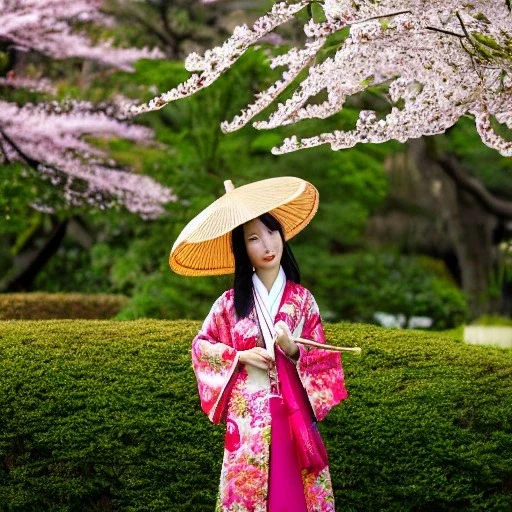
(269, 396)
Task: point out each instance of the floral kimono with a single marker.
(239, 395)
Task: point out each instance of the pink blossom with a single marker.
(12, 80)
(53, 141)
(49, 137)
(46, 26)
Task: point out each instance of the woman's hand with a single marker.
(257, 356)
(285, 340)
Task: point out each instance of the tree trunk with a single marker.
(469, 226)
(471, 231)
(23, 280)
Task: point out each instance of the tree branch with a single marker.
(494, 205)
(30, 161)
(3, 150)
(448, 32)
(154, 30)
(425, 155)
(23, 280)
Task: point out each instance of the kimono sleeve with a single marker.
(320, 370)
(215, 361)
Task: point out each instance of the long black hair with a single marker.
(244, 300)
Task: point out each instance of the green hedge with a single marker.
(104, 415)
(45, 306)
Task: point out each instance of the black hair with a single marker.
(242, 285)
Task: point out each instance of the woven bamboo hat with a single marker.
(204, 246)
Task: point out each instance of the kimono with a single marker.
(237, 395)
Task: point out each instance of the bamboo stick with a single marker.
(309, 343)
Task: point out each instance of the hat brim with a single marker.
(204, 246)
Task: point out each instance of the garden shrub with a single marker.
(45, 306)
(166, 295)
(104, 415)
(494, 320)
(354, 286)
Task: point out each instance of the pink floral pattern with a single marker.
(225, 396)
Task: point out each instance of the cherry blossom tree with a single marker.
(50, 140)
(49, 27)
(49, 136)
(434, 60)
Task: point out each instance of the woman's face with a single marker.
(264, 246)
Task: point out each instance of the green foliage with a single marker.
(70, 270)
(44, 306)
(19, 188)
(355, 286)
(493, 320)
(493, 170)
(4, 62)
(166, 295)
(102, 415)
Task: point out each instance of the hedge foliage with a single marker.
(104, 415)
(354, 286)
(45, 306)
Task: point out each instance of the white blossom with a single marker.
(436, 61)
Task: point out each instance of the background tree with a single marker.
(179, 27)
(48, 137)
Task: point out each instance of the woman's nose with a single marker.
(266, 244)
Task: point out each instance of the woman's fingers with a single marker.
(265, 358)
(260, 362)
(259, 357)
(283, 338)
(283, 327)
(263, 352)
(264, 365)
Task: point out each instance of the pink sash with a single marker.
(285, 488)
(310, 449)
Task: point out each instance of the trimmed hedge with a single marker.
(104, 415)
(46, 306)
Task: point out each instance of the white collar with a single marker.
(271, 299)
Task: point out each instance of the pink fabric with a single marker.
(286, 490)
(310, 449)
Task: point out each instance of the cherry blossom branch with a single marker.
(412, 47)
(48, 26)
(52, 144)
(49, 137)
(220, 59)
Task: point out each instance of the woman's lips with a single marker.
(269, 258)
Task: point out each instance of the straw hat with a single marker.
(204, 246)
